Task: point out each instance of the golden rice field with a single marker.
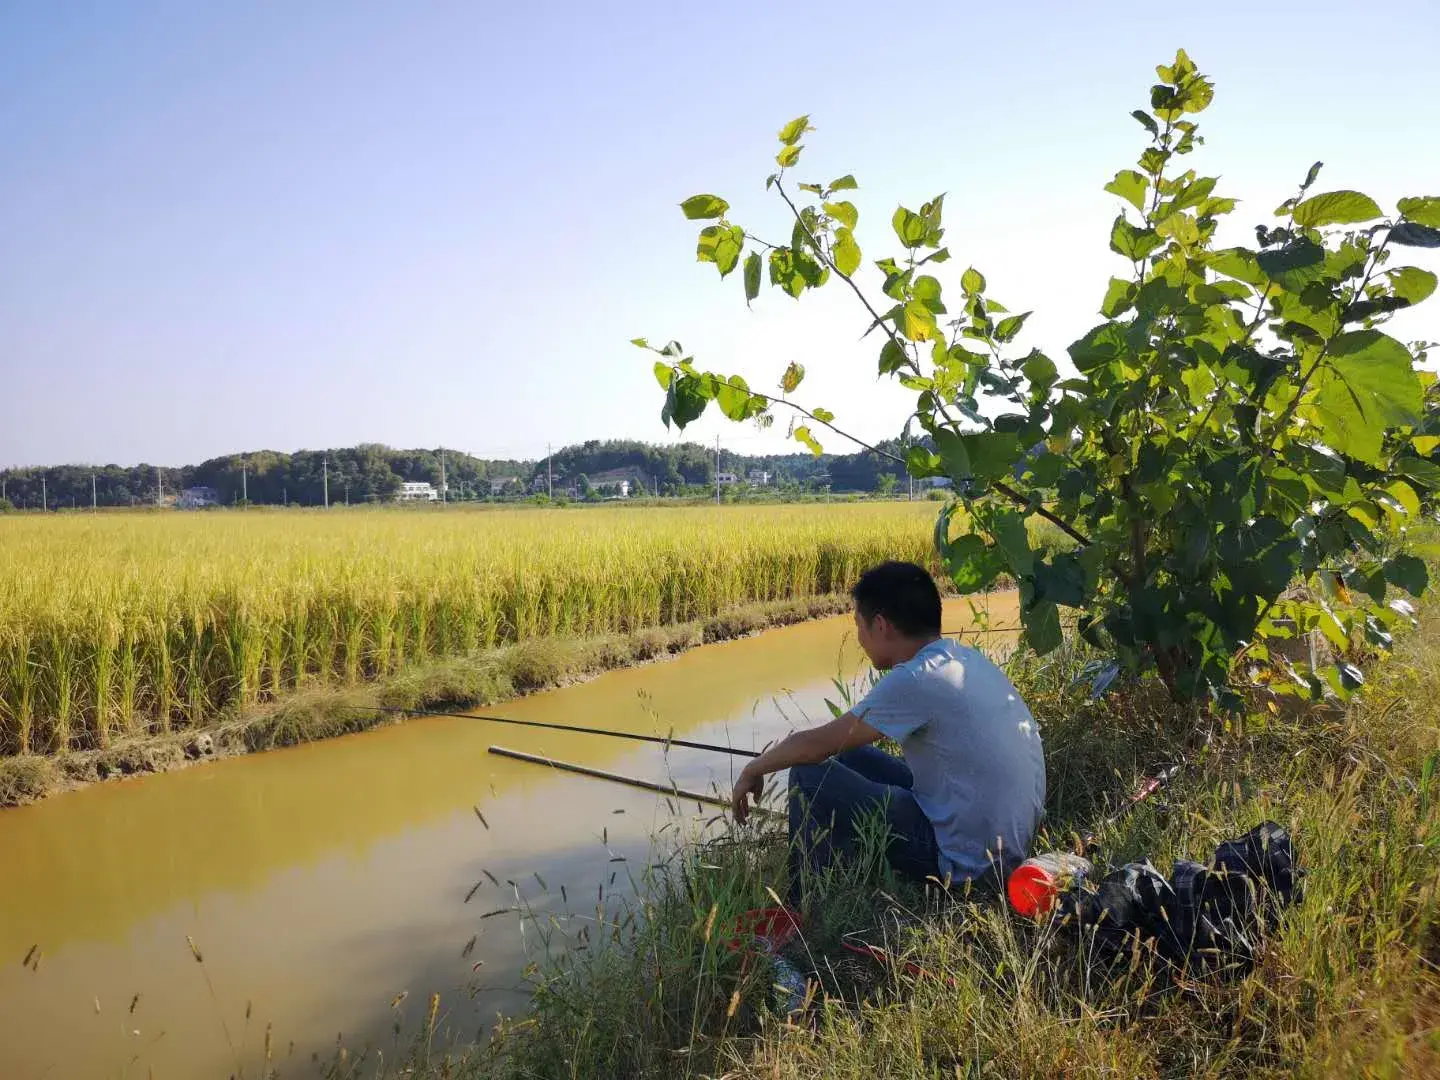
(120, 624)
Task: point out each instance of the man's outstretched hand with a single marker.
(749, 784)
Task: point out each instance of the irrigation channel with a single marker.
(320, 883)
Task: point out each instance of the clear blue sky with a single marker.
(230, 225)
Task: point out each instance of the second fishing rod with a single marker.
(549, 726)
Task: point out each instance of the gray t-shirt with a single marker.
(974, 749)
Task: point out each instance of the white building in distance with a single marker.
(417, 492)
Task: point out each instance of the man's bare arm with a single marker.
(807, 747)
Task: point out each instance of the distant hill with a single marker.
(373, 472)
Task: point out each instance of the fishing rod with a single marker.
(663, 741)
(618, 778)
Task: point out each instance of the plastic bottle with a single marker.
(1035, 883)
(789, 986)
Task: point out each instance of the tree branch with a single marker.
(811, 416)
(1004, 489)
(1035, 506)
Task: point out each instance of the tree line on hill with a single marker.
(372, 472)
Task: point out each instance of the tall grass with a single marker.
(1347, 985)
(119, 624)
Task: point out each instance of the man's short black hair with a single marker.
(904, 593)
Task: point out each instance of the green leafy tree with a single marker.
(886, 483)
(1238, 420)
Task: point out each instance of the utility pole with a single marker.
(44, 495)
(244, 485)
(549, 475)
(325, 468)
(717, 470)
(94, 501)
(159, 487)
(347, 492)
(443, 491)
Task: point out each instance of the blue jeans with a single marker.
(829, 801)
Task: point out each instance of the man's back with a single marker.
(974, 749)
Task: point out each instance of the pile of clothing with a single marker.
(1208, 916)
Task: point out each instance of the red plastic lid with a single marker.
(1031, 890)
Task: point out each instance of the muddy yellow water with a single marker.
(320, 883)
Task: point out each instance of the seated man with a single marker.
(964, 803)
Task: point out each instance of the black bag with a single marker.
(1212, 916)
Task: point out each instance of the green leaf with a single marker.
(1181, 228)
(1130, 186)
(1100, 346)
(752, 276)
(971, 563)
(790, 134)
(1423, 210)
(802, 435)
(1134, 243)
(1041, 371)
(1193, 193)
(721, 245)
(920, 462)
(788, 156)
(785, 273)
(684, 401)
(846, 252)
(844, 183)
(704, 206)
(927, 290)
(1061, 580)
(1237, 263)
(844, 212)
(1405, 495)
(822, 415)
(734, 398)
(1008, 528)
(1119, 297)
(1294, 265)
(953, 455)
(1409, 573)
(972, 282)
(1413, 235)
(1423, 472)
(1042, 627)
(992, 454)
(663, 374)
(640, 342)
(892, 357)
(1336, 208)
(1009, 327)
(910, 227)
(790, 381)
(1198, 384)
(1147, 121)
(917, 322)
(1366, 386)
(1411, 284)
